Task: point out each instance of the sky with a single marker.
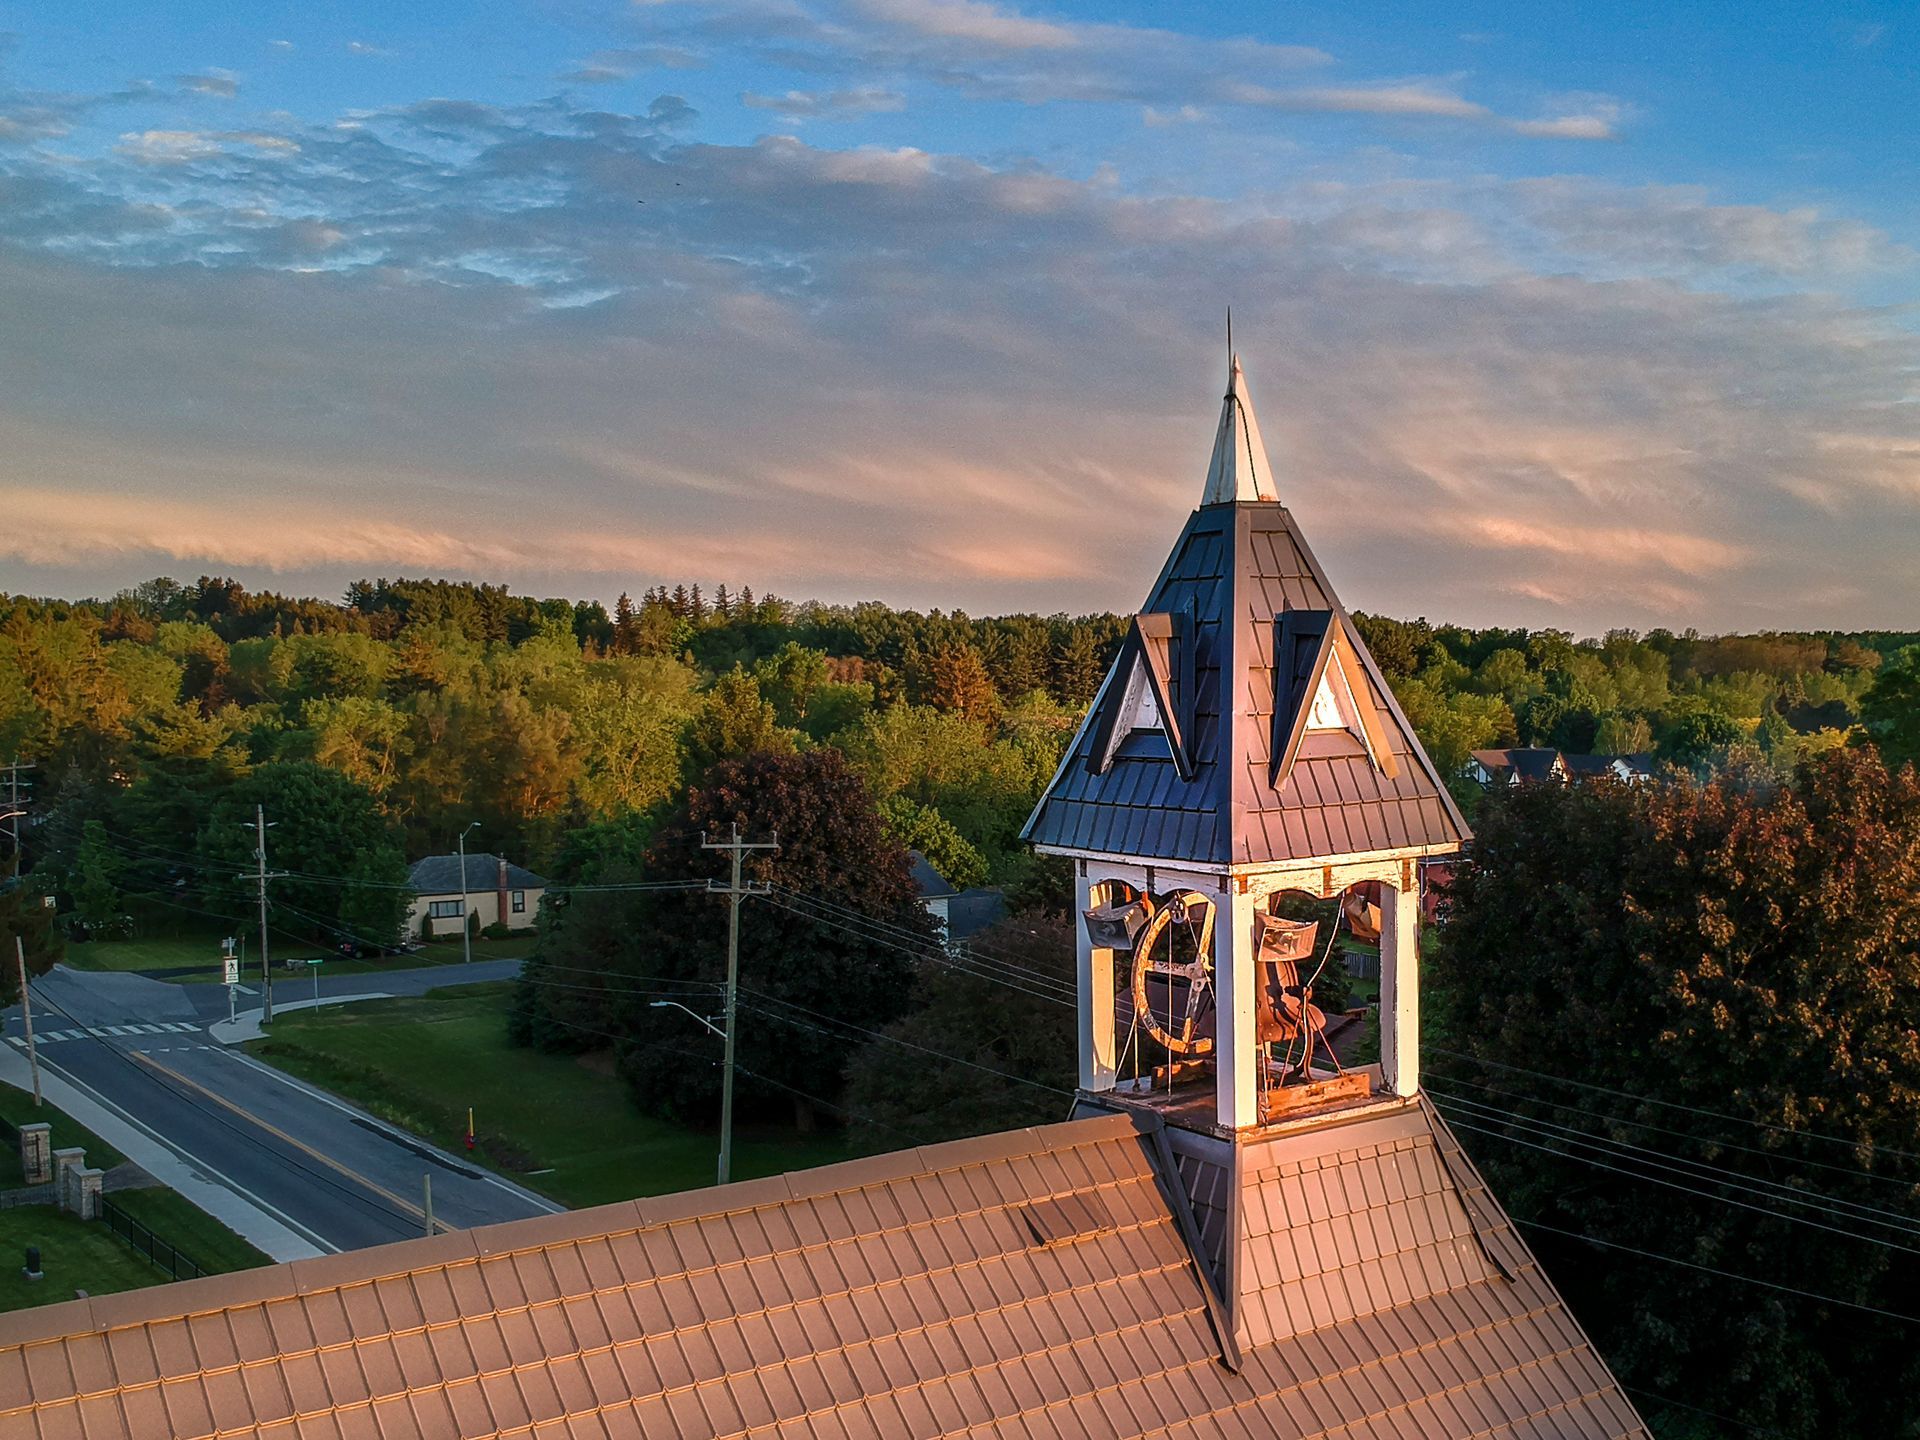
(1565, 315)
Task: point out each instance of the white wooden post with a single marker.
(1400, 988)
(1099, 1055)
(1237, 1048)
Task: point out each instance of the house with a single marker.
(957, 913)
(495, 889)
(1533, 766)
(935, 892)
(1216, 1240)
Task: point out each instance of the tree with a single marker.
(1732, 965)
(23, 914)
(96, 879)
(1623, 735)
(733, 721)
(348, 874)
(975, 1054)
(854, 962)
(1890, 711)
(954, 677)
(923, 828)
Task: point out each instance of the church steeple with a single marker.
(1240, 469)
(1244, 758)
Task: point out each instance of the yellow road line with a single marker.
(407, 1205)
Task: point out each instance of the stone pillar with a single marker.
(36, 1152)
(1400, 988)
(502, 910)
(65, 1162)
(1099, 1053)
(86, 1185)
(1237, 1044)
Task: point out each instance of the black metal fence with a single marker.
(145, 1242)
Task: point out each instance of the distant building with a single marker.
(1531, 766)
(1230, 1237)
(496, 890)
(958, 913)
(1544, 766)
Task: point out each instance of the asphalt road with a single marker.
(320, 1166)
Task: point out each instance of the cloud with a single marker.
(302, 351)
(362, 47)
(970, 20)
(604, 67)
(174, 147)
(829, 105)
(281, 44)
(1184, 115)
(222, 84)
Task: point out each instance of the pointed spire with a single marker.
(1239, 469)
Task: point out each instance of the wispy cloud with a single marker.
(222, 84)
(828, 105)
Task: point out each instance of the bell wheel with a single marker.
(1173, 974)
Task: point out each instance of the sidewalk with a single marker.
(246, 1025)
(210, 1193)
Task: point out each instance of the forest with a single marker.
(386, 722)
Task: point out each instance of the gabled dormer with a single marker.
(1150, 702)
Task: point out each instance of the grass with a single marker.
(187, 1227)
(16, 1106)
(556, 1124)
(74, 1255)
(202, 952)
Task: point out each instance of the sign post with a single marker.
(230, 975)
(314, 965)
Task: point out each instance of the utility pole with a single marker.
(426, 1184)
(466, 938)
(261, 876)
(735, 891)
(14, 767)
(26, 1014)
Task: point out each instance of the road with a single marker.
(325, 1169)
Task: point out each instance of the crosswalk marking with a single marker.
(102, 1032)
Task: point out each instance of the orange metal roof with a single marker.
(1034, 1283)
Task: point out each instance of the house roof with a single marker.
(1033, 1283)
(1236, 574)
(1528, 762)
(933, 885)
(440, 875)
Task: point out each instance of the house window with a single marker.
(519, 902)
(445, 909)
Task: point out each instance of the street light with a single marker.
(466, 938)
(726, 1119)
(676, 1005)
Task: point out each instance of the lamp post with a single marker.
(466, 939)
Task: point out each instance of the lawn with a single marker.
(16, 1107)
(189, 1229)
(74, 1255)
(201, 955)
(556, 1123)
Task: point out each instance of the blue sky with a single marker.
(1578, 315)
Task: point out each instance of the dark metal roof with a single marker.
(1034, 1283)
(440, 875)
(1233, 572)
(972, 911)
(933, 885)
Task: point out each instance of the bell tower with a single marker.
(1244, 800)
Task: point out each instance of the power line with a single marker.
(896, 1040)
(973, 948)
(1719, 1142)
(1571, 1135)
(1676, 1105)
(1715, 1270)
(924, 950)
(1686, 1189)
